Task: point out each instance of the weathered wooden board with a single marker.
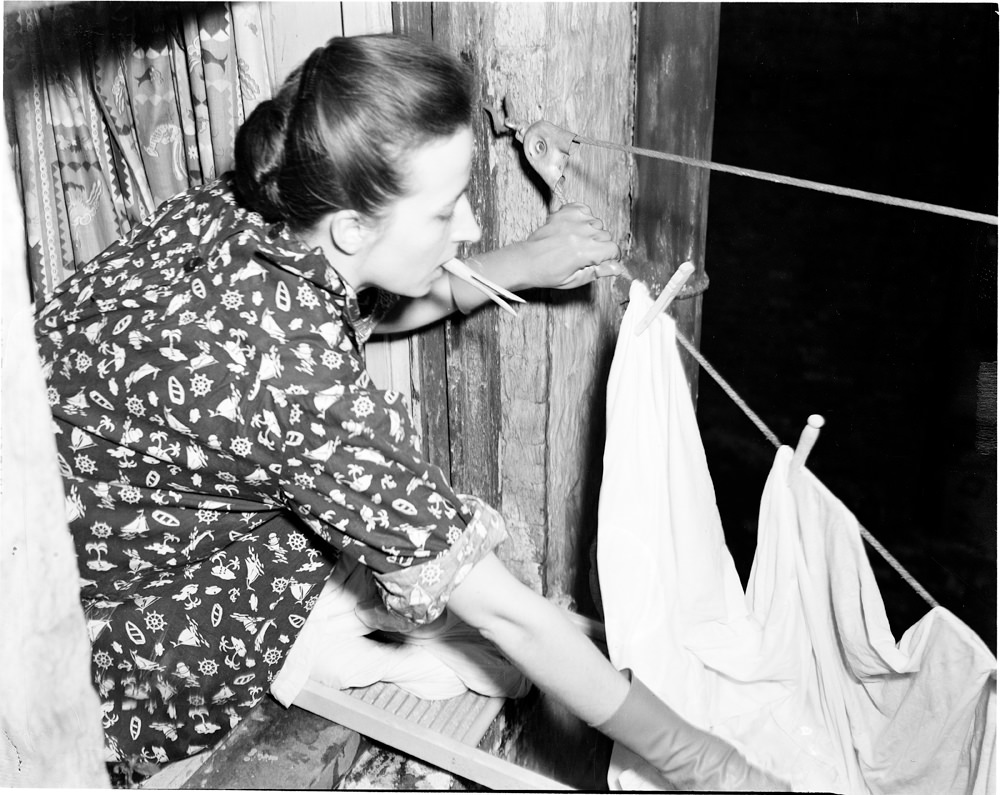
(588, 87)
(428, 347)
(513, 408)
(526, 393)
(675, 112)
(443, 734)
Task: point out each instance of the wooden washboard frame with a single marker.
(444, 733)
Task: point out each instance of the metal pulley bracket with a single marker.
(546, 147)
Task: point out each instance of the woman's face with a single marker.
(424, 228)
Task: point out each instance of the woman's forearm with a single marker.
(570, 249)
(540, 640)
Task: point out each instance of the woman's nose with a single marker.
(465, 229)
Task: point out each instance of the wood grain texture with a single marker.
(484, 403)
(675, 112)
(428, 347)
(420, 740)
(474, 409)
(587, 88)
(414, 19)
(543, 372)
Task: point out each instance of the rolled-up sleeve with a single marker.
(420, 593)
(351, 470)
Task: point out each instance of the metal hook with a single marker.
(501, 125)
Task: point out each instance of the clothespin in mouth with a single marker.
(490, 289)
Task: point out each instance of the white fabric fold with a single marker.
(801, 673)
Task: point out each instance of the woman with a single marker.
(222, 444)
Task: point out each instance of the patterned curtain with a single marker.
(115, 107)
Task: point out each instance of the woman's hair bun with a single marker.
(259, 154)
(340, 132)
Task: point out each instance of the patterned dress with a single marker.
(221, 444)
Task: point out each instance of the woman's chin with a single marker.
(420, 291)
(435, 276)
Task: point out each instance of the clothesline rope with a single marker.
(908, 578)
(706, 366)
(822, 187)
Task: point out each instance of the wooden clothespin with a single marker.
(491, 290)
(677, 281)
(806, 441)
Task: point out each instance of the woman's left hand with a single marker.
(570, 249)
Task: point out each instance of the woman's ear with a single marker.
(349, 231)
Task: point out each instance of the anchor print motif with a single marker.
(221, 444)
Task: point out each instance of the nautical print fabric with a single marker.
(117, 107)
(221, 443)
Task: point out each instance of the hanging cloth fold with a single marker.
(801, 672)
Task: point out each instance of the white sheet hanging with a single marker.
(802, 673)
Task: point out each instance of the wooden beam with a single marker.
(675, 112)
(428, 347)
(542, 373)
(587, 87)
(414, 19)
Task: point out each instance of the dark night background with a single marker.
(878, 318)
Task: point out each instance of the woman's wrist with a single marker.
(515, 266)
(510, 266)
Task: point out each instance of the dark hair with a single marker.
(336, 134)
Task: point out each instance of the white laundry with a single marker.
(802, 672)
(437, 661)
